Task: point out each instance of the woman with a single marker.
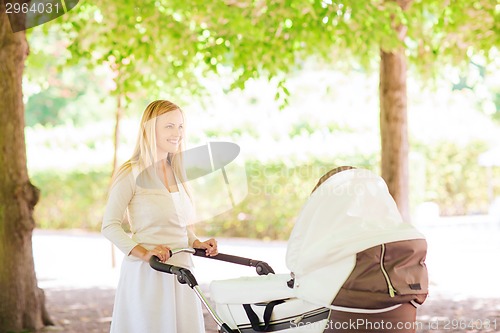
(351, 251)
(151, 188)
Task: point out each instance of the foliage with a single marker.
(276, 192)
(166, 46)
(285, 151)
(69, 97)
(142, 46)
(45, 108)
(451, 32)
(71, 200)
(170, 48)
(482, 80)
(455, 180)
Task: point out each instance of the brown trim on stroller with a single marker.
(400, 320)
(386, 275)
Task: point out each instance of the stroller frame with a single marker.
(184, 276)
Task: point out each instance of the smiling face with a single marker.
(169, 132)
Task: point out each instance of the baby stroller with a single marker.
(348, 213)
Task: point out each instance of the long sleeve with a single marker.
(191, 236)
(119, 197)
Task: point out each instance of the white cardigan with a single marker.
(156, 215)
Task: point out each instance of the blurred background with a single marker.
(330, 119)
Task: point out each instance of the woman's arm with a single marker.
(161, 251)
(191, 236)
(210, 245)
(119, 197)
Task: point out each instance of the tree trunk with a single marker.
(22, 303)
(394, 121)
(394, 128)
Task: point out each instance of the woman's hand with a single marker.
(210, 246)
(161, 251)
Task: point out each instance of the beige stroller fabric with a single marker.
(348, 213)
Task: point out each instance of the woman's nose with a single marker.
(174, 132)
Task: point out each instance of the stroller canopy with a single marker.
(348, 213)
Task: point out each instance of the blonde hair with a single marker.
(145, 153)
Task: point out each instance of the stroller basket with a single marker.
(261, 311)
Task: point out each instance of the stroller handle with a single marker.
(181, 250)
(184, 249)
(261, 267)
(184, 275)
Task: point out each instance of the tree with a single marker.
(136, 56)
(255, 38)
(393, 119)
(21, 301)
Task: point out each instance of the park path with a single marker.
(76, 270)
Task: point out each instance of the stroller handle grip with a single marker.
(261, 267)
(184, 275)
(181, 250)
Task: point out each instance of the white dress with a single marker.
(148, 301)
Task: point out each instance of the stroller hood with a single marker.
(348, 213)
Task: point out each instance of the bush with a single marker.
(454, 179)
(74, 199)
(276, 194)
(446, 173)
